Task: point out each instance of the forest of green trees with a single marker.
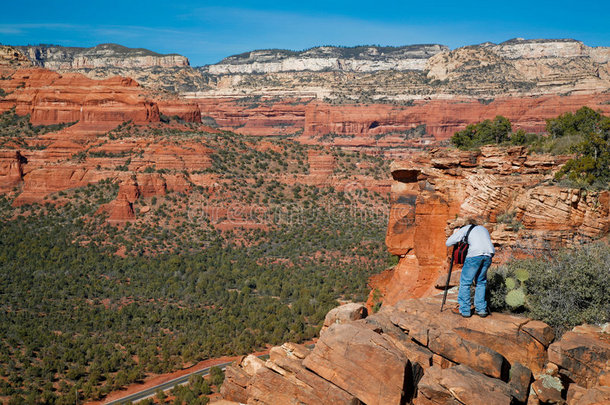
(78, 320)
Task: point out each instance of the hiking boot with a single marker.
(482, 314)
(456, 310)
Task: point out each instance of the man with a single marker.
(478, 260)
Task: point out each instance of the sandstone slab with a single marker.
(548, 389)
(520, 380)
(598, 395)
(584, 353)
(462, 385)
(362, 362)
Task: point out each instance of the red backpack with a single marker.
(461, 248)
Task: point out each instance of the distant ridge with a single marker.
(358, 74)
(104, 55)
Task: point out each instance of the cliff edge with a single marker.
(411, 353)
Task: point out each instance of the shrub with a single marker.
(509, 218)
(591, 166)
(483, 133)
(582, 121)
(589, 137)
(563, 289)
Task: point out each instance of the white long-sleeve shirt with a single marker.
(478, 240)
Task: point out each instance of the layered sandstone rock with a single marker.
(51, 98)
(359, 74)
(412, 353)
(507, 189)
(11, 169)
(343, 314)
(100, 56)
(373, 369)
(11, 57)
(357, 59)
(387, 125)
(584, 355)
(121, 209)
(282, 379)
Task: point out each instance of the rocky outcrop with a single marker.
(507, 189)
(51, 98)
(324, 58)
(11, 57)
(11, 169)
(412, 353)
(56, 57)
(583, 354)
(525, 66)
(121, 209)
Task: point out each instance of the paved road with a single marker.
(150, 392)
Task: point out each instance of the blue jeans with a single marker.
(474, 268)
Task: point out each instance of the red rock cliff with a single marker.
(507, 189)
(52, 98)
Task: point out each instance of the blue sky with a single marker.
(207, 31)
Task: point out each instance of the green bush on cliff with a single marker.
(563, 289)
(585, 133)
(582, 121)
(483, 133)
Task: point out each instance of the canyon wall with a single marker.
(364, 74)
(386, 125)
(528, 81)
(325, 58)
(52, 98)
(509, 191)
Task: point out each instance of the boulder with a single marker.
(362, 362)
(548, 389)
(520, 379)
(281, 379)
(414, 352)
(480, 358)
(294, 385)
(344, 313)
(598, 395)
(431, 392)
(235, 383)
(584, 354)
(462, 385)
(515, 338)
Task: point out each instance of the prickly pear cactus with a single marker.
(515, 298)
(510, 283)
(522, 275)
